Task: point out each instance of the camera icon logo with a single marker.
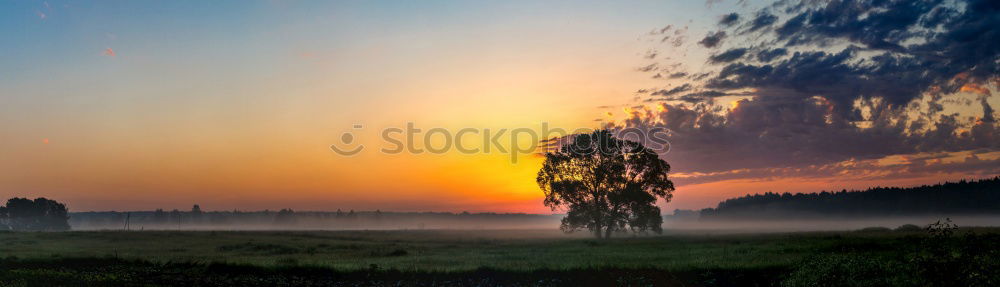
(347, 139)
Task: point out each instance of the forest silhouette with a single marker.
(965, 197)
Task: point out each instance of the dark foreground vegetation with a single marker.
(978, 197)
(118, 272)
(908, 256)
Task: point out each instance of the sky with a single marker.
(122, 105)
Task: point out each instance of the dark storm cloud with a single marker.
(727, 56)
(875, 24)
(897, 71)
(713, 39)
(838, 81)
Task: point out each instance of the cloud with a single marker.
(661, 31)
(678, 75)
(109, 52)
(727, 56)
(710, 3)
(767, 55)
(729, 19)
(673, 91)
(915, 166)
(713, 39)
(762, 20)
(821, 88)
(651, 54)
(647, 68)
(794, 133)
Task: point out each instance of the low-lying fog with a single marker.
(827, 225)
(270, 220)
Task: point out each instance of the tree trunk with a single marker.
(607, 232)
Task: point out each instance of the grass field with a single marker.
(698, 258)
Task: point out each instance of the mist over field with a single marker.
(967, 203)
(537, 224)
(792, 225)
(309, 220)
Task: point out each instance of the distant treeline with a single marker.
(290, 219)
(979, 197)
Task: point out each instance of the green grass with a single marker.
(441, 250)
(126, 258)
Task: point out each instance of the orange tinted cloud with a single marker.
(109, 52)
(975, 88)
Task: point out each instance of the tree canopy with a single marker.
(606, 184)
(950, 198)
(41, 214)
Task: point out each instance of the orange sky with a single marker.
(132, 107)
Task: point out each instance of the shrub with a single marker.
(849, 270)
(945, 259)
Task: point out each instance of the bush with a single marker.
(849, 270)
(945, 259)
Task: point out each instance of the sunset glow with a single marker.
(235, 106)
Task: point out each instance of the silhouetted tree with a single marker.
(196, 214)
(159, 216)
(606, 184)
(285, 216)
(175, 217)
(40, 214)
(3, 218)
